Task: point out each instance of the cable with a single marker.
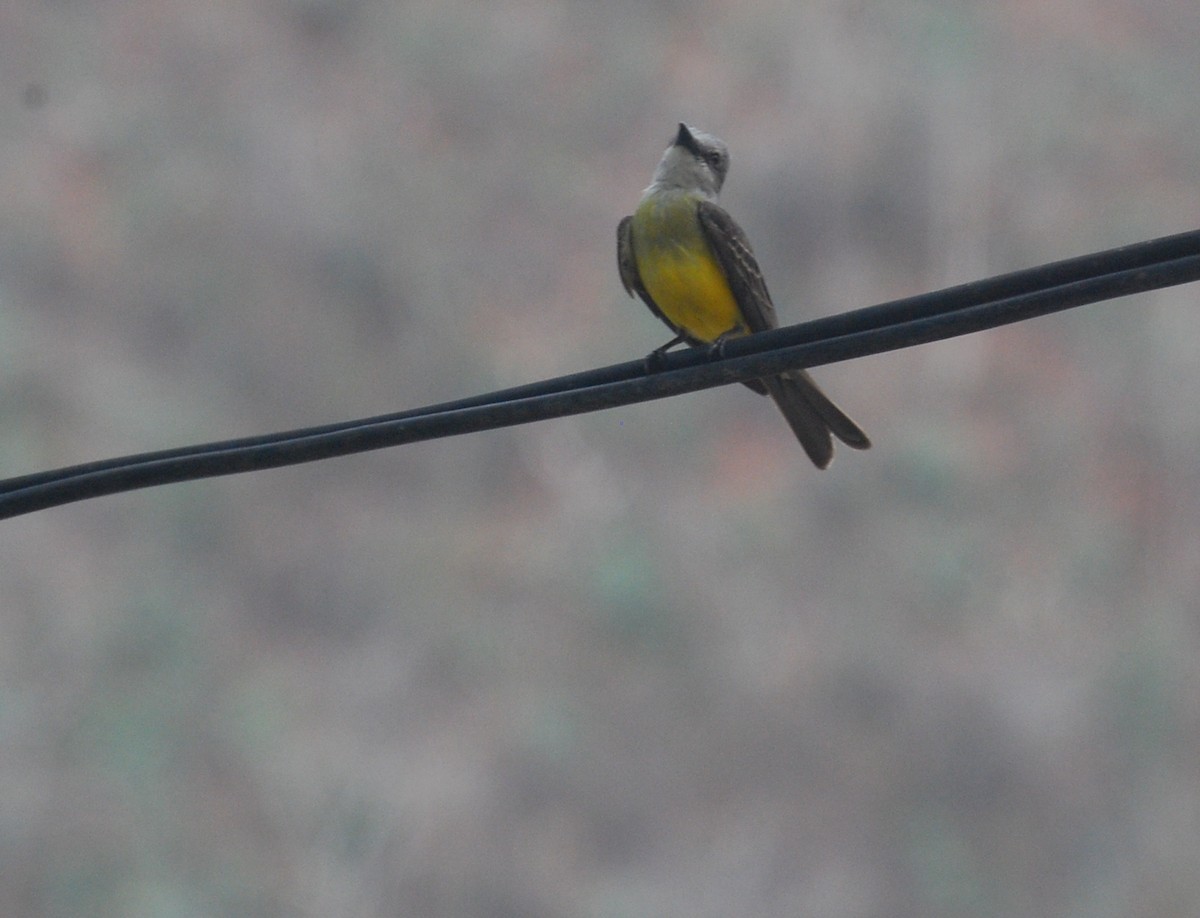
(889, 326)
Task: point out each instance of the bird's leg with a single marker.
(716, 350)
(654, 360)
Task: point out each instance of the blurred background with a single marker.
(646, 662)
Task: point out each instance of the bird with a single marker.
(691, 263)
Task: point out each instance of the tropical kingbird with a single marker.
(693, 266)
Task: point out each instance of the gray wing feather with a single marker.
(732, 248)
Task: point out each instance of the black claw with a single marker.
(657, 358)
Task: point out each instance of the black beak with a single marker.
(685, 139)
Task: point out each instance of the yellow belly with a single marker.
(681, 275)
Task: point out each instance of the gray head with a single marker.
(694, 161)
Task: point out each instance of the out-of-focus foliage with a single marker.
(646, 662)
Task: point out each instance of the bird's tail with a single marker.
(813, 417)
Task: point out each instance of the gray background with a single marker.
(646, 662)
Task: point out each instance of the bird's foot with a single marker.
(656, 359)
(716, 350)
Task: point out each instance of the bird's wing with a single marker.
(627, 265)
(626, 261)
(733, 251)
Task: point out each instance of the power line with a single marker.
(889, 326)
